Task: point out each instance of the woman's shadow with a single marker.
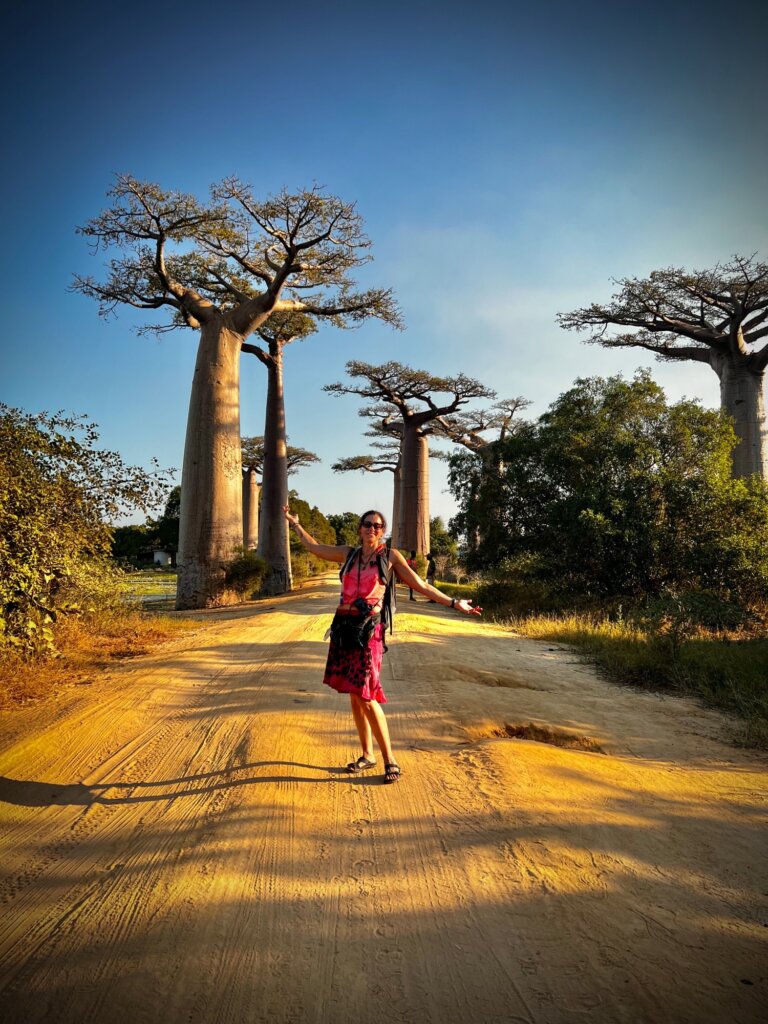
(26, 793)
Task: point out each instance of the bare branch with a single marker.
(672, 304)
(410, 392)
(235, 257)
(252, 449)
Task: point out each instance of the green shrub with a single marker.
(246, 573)
(674, 618)
(459, 590)
(614, 493)
(58, 493)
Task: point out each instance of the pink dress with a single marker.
(358, 671)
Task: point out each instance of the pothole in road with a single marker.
(541, 734)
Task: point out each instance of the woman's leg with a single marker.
(377, 722)
(362, 726)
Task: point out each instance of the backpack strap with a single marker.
(348, 562)
(385, 570)
(389, 601)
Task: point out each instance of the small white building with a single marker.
(162, 558)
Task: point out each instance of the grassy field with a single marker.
(151, 588)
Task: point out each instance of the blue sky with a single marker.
(508, 160)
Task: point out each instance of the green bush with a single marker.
(58, 493)
(615, 493)
(674, 618)
(304, 565)
(246, 573)
(459, 590)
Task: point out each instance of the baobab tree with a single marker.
(717, 316)
(387, 458)
(470, 427)
(483, 431)
(250, 508)
(410, 409)
(254, 451)
(223, 268)
(280, 330)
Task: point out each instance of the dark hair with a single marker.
(373, 512)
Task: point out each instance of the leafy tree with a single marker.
(483, 432)
(166, 529)
(615, 492)
(408, 406)
(58, 494)
(172, 509)
(346, 526)
(131, 543)
(441, 541)
(313, 520)
(224, 268)
(717, 316)
(136, 543)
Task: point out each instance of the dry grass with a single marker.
(87, 645)
(726, 671)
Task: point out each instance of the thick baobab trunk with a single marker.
(211, 524)
(742, 396)
(413, 531)
(250, 510)
(397, 480)
(273, 528)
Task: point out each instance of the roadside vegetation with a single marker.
(62, 608)
(613, 523)
(86, 645)
(726, 669)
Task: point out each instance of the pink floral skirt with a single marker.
(357, 671)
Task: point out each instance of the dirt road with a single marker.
(179, 843)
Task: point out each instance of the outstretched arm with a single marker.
(415, 582)
(330, 552)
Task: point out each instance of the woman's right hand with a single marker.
(292, 519)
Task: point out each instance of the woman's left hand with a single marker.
(463, 605)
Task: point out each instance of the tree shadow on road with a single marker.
(30, 793)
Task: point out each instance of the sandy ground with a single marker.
(179, 843)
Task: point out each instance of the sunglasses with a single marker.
(368, 525)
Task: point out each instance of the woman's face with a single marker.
(371, 529)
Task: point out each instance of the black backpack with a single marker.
(387, 576)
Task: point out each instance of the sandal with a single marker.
(392, 772)
(360, 765)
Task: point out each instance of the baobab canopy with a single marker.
(224, 267)
(717, 316)
(408, 404)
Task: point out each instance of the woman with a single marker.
(357, 672)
